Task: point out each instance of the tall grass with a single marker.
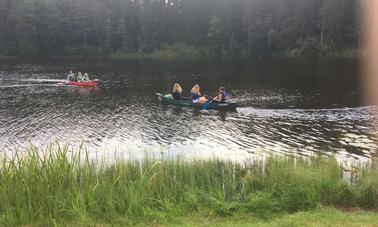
(59, 186)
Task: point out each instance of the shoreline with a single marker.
(162, 55)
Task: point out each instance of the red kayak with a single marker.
(91, 83)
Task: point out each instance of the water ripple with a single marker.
(123, 114)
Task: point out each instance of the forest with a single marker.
(217, 28)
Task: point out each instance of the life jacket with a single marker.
(223, 94)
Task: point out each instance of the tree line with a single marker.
(37, 28)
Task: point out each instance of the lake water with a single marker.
(287, 106)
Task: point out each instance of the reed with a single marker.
(59, 186)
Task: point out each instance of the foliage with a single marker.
(176, 51)
(61, 186)
(84, 51)
(40, 28)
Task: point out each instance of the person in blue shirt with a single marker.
(195, 94)
(177, 91)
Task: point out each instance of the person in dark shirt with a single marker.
(177, 91)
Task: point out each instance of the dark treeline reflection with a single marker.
(34, 28)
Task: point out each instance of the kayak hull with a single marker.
(189, 103)
(82, 84)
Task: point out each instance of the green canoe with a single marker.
(188, 102)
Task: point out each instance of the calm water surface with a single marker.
(288, 106)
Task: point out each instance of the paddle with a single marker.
(206, 105)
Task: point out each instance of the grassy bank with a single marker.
(57, 188)
(3, 57)
(192, 53)
(185, 52)
(317, 217)
(343, 53)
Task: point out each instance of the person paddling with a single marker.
(196, 95)
(177, 91)
(221, 97)
(79, 77)
(71, 76)
(85, 77)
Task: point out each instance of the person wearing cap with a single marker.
(221, 97)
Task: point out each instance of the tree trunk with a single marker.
(99, 43)
(321, 37)
(85, 37)
(322, 33)
(249, 33)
